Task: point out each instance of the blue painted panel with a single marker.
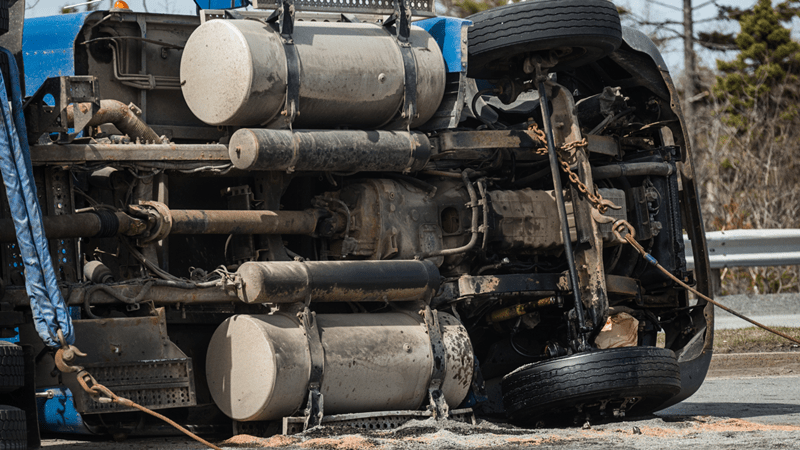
(447, 31)
(221, 4)
(58, 414)
(48, 47)
(14, 339)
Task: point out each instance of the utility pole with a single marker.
(689, 63)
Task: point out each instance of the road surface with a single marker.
(774, 310)
(726, 413)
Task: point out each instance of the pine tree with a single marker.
(765, 73)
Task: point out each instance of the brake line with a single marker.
(619, 225)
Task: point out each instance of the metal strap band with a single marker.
(282, 20)
(437, 400)
(314, 408)
(401, 19)
(410, 95)
(291, 106)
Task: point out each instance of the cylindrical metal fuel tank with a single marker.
(258, 366)
(234, 72)
(329, 150)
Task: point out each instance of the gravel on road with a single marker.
(726, 413)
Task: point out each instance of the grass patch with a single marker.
(744, 340)
(749, 340)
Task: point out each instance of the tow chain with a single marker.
(65, 356)
(623, 226)
(567, 157)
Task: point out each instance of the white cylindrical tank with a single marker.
(234, 72)
(258, 366)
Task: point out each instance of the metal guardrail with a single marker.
(750, 248)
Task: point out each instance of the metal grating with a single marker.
(374, 421)
(449, 113)
(418, 7)
(155, 384)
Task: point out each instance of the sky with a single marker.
(647, 9)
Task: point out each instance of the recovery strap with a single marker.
(50, 312)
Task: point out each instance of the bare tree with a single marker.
(663, 31)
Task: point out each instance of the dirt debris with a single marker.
(645, 433)
(340, 443)
(248, 441)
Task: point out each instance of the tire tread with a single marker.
(12, 367)
(13, 433)
(533, 389)
(537, 24)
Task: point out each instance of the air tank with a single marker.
(234, 72)
(258, 366)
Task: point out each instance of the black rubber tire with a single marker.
(12, 367)
(553, 390)
(13, 432)
(500, 38)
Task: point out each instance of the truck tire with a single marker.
(500, 38)
(631, 380)
(12, 367)
(13, 434)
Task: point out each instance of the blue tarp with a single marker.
(50, 312)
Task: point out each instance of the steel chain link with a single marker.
(564, 159)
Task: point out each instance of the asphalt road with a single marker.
(775, 310)
(726, 413)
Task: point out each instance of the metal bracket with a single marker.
(283, 20)
(438, 404)
(291, 107)
(583, 330)
(43, 117)
(314, 407)
(401, 19)
(285, 13)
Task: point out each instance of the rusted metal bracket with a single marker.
(588, 258)
(314, 407)
(438, 404)
(562, 211)
(43, 117)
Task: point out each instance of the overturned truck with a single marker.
(293, 215)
